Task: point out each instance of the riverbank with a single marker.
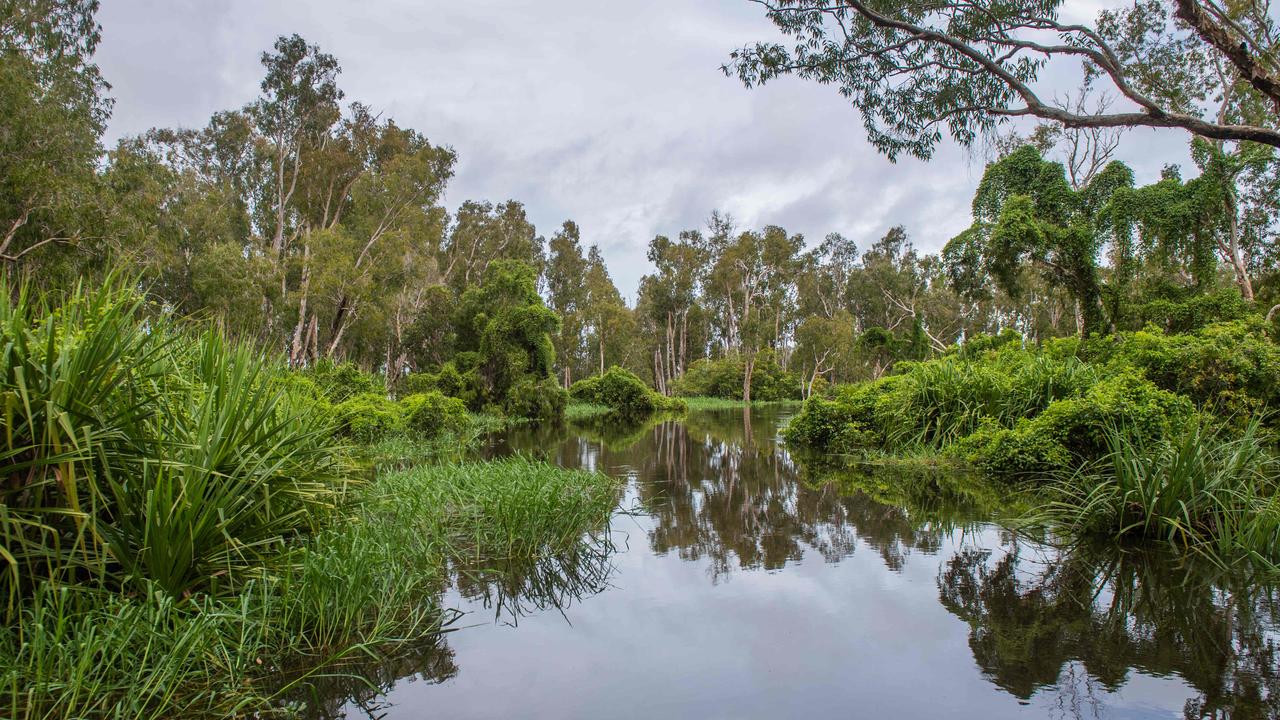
(193, 529)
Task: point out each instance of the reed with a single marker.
(1204, 489)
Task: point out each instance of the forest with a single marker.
(244, 363)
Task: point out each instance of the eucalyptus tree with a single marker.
(670, 303)
(750, 290)
(53, 111)
(567, 294)
(919, 68)
(610, 325)
(482, 233)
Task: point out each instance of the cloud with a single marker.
(615, 115)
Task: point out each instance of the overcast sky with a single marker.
(613, 114)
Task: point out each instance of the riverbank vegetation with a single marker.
(186, 531)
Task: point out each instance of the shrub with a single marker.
(432, 414)
(368, 417)
(536, 399)
(448, 380)
(142, 454)
(723, 378)
(1230, 368)
(623, 393)
(1075, 431)
(341, 381)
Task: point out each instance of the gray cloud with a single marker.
(613, 114)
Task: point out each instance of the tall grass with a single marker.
(511, 508)
(1203, 489)
(936, 403)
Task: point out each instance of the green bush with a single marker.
(1074, 431)
(723, 378)
(341, 381)
(536, 399)
(623, 393)
(1016, 411)
(1231, 368)
(448, 380)
(369, 417)
(432, 414)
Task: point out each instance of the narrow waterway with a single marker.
(738, 582)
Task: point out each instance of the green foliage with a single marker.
(449, 380)
(1192, 311)
(368, 417)
(432, 414)
(1010, 410)
(1199, 488)
(342, 381)
(142, 454)
(535, 399)
(723, 378)
(1074, 431)
(505, 322)
(624, 394)
(1232, 369)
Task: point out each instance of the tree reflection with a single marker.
(1037, 615)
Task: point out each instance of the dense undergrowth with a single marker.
(624, 394)
(187, 529)
(1141, 433)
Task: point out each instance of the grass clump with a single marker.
(1204, 488)
(511, 508)
(140, 454)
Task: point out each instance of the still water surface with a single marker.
(736, 582)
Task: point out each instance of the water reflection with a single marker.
(515, 588)
(1037, 613)
(877, 590)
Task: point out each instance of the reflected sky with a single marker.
(736, 582)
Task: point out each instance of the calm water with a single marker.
(735, 582)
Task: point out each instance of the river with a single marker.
(737, 582)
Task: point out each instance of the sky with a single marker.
(613, 114)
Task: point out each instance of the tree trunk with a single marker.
(748, 368)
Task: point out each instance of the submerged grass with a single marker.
(1204, 489)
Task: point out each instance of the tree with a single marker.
(565, 272)
(669, 302)
(751, 293)
(608, 321)
(505, 323)
(52, 115)
(482, 233)
(914, 68)
(1025, 212)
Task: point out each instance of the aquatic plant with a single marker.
(1204, 488)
